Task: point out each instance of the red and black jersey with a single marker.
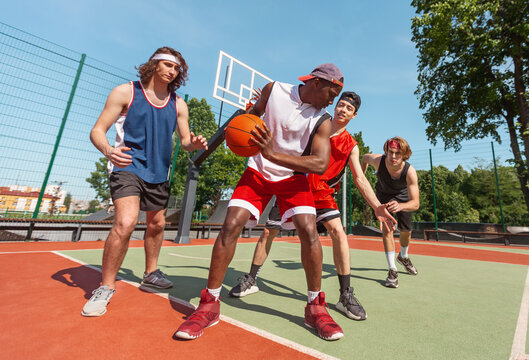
(324, 186)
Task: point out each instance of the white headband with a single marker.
(168, 57)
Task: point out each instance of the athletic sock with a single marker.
(312, 295)
(215, 292)
(404, 252)
(345, 282)
(390, 256)
(254, 270)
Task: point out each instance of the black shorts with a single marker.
(403, 217)
(153, 197)
(322, 216)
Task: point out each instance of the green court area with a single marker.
(454, 309)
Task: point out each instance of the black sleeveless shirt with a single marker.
(396, 188)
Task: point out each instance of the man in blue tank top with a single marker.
(398, 188)
(146, 113)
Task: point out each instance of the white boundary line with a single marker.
(25, 252)
(278, 339)
(520, 334)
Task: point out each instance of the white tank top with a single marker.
(291, 122)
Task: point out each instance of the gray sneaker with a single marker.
(246, 286)
(156, 279)
(406, 262)
(392, 280)
(350, 305)
(97, 305)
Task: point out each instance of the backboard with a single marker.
(235, 81)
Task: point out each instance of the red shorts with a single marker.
(253, 192)
(324, 200)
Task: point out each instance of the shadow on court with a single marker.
(81, 277)
(329, 271)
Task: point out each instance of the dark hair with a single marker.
(403, 144)
(352, 98)
(146, 70)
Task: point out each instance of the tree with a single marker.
(473, 73)
(452, 204)
(56, 195)
(426, 210)
(93, 206)
(219, 172)
(480, 189)
(68, 201)
(98, 181)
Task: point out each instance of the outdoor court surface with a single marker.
(468, 302)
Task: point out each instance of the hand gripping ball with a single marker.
(238, 134)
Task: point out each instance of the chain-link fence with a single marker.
(51, 96)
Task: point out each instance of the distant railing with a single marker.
(24, 229)
(477, 236)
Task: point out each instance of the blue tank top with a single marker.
(148, 130)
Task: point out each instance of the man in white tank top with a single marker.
(296, 124)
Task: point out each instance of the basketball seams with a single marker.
(234, 128)
(252, 118)
(238, 134)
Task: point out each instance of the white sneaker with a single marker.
(97, 305)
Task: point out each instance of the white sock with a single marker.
(215, 292)
(404, 252)
(312, 295)
(390, 256)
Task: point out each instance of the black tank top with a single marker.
(397, 188)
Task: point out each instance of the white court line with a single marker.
(520, 334)
(278, 339)
(25, 252)
(44, 251)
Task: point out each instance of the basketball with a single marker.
(238, 134)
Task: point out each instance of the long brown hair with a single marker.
(146, 70)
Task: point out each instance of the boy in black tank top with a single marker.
(398, 188)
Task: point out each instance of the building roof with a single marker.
(25, 194)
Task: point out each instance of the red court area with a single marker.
(42, 293)
(41, 299)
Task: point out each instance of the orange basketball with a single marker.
(238, 134)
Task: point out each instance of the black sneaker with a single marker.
(350, 305)
(406, 262)
(392, 280)
(245, 287)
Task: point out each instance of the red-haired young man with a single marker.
(398, 188)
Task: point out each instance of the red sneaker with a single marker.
(206, 315)
(317, 317)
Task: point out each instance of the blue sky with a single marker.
(369, 40)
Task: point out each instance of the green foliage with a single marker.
(219, 172)
(473, 73)
(480, 189)
(68, 201)
(98, 180)
(463, 196)
(94, 206)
